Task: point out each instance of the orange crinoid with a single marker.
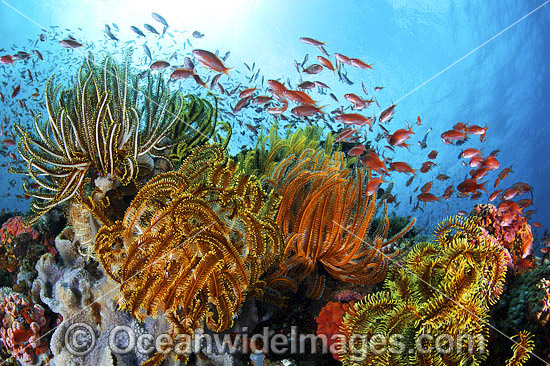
(193, 244)
(326, 218)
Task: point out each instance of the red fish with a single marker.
(536, 224)
(372, 161)
(358, 102)
(402, 167)
(398, 138)
(490, 163)
(311, 41)
(373, 185)
(432, 155)
(159, 65)
(354, 119)
(418, 121)
(325, 62)
(386, 114)
(477, 130)
(459, 126)
(451, 135)
(341, 58)
(510, 193)
(313, 69)
(210, 60)
(427, 197)
(442, 177)
(306, 85)
(476, 162)
(356, 150)
(306, 110)
(426, 166)
(470, 186)
(479, 173)
(494, 196)
(504, 173)
(360, 64)
(8, 142)
(6, 60)
(410, 180)
(181, 74)
(345, 134)
(299, 97)
(278, 110)
(247, 92)
(448, 192)
(241, 104)
(276, 87)
(16, 91)
(469, 153)
(426, 187)
(262, 99)
(1, 97)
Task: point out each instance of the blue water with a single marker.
(503, 84)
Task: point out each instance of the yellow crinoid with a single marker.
(99, 128)
(326, 219)
(434, 307)
(193, 244)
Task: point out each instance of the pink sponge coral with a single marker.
(508, 226)
(329, 321)
(22, 326)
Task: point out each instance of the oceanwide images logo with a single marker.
(80, 339)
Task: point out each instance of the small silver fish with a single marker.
(188, 63)
(147, 51)
(137, 31)
(161, 20)
(151, 29)
(109, 33)
(198, 34)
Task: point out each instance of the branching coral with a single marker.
(325, 217)
(193, 244)
(99, 128)
(441, 292)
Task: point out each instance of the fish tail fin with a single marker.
(414, 171)
(482, 186)
(225, 71)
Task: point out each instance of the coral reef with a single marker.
(510, 229)
(82, 294)
(325, 217)
(193, 244)
(525, 305)
(20, 248)
(329, 321)
(24, 329)
(439, 288)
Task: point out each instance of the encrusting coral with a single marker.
(325, 217)
(193, 244)
(441, 288)
(24, 327)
